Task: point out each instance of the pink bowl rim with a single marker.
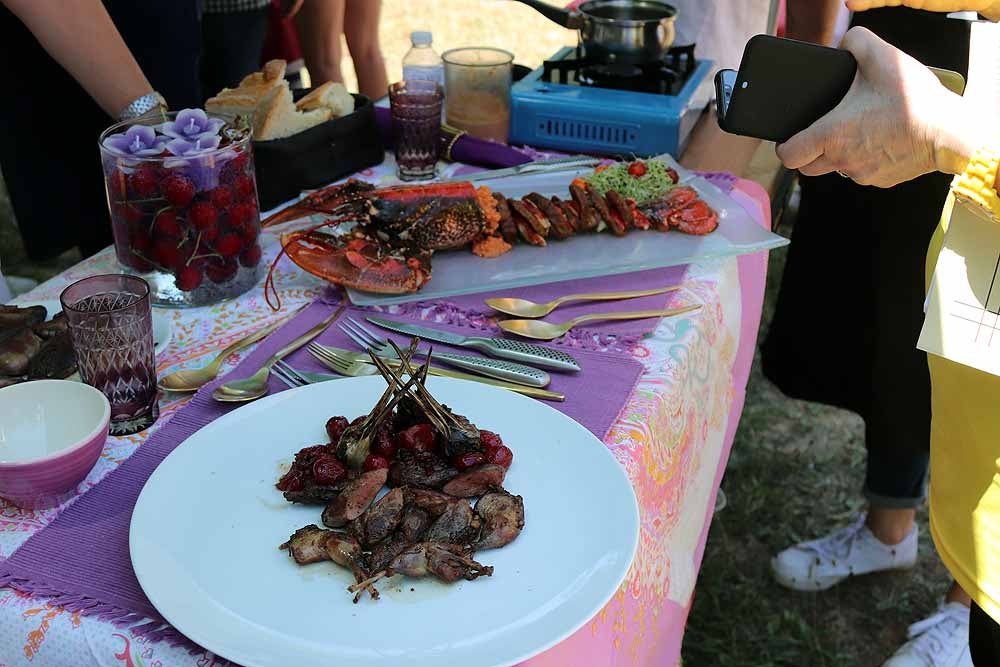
(80, 444)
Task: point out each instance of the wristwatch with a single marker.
(143, 105)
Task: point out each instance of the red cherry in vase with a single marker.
(221, 197)
(178, 189)
(203, 215)
(143, 183)
(167, 254)
(251, 256)
(166, 225)
(188, 278)
(229, 245)
(220, 270)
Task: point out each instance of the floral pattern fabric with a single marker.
(672, 438)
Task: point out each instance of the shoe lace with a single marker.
(931, 635)
(837, 544)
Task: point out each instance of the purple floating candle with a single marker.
(138, 140)
(192, 124)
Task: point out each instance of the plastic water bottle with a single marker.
(421, 61)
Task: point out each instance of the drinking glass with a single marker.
(416, 126)
(478, 83)
(111, 325)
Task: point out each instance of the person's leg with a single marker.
(320, 24)
(984, 639)
(361, 22)
(230, 48)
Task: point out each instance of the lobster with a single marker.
(398, 228)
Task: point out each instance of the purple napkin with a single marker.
(467, 149)
(81, 560)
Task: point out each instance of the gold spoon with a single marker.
(255, 386)
(547, 331)
(192, 379)
(525, 308)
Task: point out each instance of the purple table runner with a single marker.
(81, 560)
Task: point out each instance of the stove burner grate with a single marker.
(663, 77)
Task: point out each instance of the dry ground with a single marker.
(795, 471)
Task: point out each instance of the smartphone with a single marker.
(782, 87)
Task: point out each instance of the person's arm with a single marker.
(988, 8)
(81, 37)
(812, 20)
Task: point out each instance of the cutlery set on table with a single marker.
(509, 364)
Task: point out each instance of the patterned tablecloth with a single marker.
(673, 438)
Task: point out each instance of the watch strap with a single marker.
(143, 105)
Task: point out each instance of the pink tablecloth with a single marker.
(673, 438)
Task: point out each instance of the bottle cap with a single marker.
(421, 38)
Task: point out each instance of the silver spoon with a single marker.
(255, 386)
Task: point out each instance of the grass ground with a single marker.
(795, 471)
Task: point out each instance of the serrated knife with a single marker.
(515, 350)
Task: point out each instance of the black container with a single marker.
(316, 157)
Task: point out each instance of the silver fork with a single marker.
(296, 378)
(495, 368)
(337, 364)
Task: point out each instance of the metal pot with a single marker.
(617, 31)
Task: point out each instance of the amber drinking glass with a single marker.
(111, 324)
(416, 127)
(478, 83)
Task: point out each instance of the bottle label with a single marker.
(418, 73)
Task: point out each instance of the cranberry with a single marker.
(375, 462)
(143, 183)
(326, 469)
(463, 462)
(243, 187)
(421, 437)
(203, 215)
(188, 278)
(335, 427)
(502, 456)
(221, 197)
(489, 439)
(179, 190)
(384, 444)
(229, 245)
(165, 225)
(167, 255)
(251, 256)
(290, 481)
(306, 455)
(357, 421)
(220, 270)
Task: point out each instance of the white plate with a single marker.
(162, 331)
(206, 527)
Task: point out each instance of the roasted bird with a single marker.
(424, 524)
(398, 228)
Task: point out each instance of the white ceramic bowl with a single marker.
(51, 434)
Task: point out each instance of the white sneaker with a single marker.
(854, 550)
(939, 641)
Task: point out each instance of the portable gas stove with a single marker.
(576, 105)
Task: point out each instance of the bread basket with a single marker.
(317, 156)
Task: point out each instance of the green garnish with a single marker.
(651, 185)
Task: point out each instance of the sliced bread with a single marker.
(333, 96)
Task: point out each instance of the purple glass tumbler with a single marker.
(111, 324)
(416, 127)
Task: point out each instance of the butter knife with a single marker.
(514, 350)
(534, 392)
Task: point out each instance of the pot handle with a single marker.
(571, 20)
